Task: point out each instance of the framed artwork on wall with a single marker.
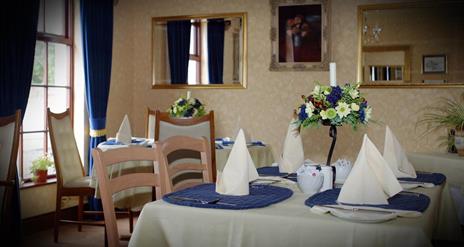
(299, 35)
(434, 64)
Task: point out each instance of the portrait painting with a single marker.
(299, 35)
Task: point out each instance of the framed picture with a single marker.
(299, 35)
(434, 64)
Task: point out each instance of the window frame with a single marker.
(196, 56)
(47, 38)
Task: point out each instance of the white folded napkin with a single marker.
(238, 171)
(396, 157)
(293, 155)
(371, 181)
(124, 134)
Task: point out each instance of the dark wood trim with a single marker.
(45, 221)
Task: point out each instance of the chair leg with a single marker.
(131, 221)
(80, 209)
(57, 217)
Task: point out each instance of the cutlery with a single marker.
(214, 201)
(357, 209)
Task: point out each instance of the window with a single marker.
(52, 84)
(194, 66)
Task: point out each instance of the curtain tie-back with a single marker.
(97, 133)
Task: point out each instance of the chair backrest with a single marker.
(150, 123)
(107, 186)
(175, 143)
(68, 163)
(9, 141)
(167, 126)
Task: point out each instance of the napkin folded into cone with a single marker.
(239, 170)
(124, 134)
(371, 181)
(396, 157)
(293, 155)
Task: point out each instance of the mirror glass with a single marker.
(411, 44)
(201, 51)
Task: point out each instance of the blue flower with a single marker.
(197, 104)
(182, 102)
(188, 112)
(302, 115)
(362, 115)
(335, 95)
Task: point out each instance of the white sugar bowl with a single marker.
(310, 182)
(342, 170)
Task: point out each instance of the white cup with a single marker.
(342, 170)
(310, 183)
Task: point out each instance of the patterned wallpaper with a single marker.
(264, 109)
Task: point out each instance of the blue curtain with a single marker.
(216, 50)
(18, 29)
(97, 35)
(179, 46)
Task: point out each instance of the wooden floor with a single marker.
(70, 237)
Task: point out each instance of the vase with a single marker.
(41, 176)
(459, 142)
(310, 183)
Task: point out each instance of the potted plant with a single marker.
(40, 167)
(447, 113)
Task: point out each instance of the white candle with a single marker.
(333, 75)
(188, 95)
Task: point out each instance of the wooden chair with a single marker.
(150, 120)
(167, 126)
(110, 186)
(71, 179)
(9, 143)
(175, 143)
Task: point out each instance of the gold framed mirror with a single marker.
(199, 51)
(413, 44)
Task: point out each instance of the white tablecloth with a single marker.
(261, 156)
(288, 223)
(452, 166)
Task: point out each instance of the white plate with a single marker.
(363, 216)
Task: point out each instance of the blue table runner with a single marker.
(434, 178)
(274, 171)
(403, 201)
(260, 196)
(114, 142)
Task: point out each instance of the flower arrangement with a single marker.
(187, 107)
(334, 105)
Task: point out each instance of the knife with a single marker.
(354, 209)
(215, 201)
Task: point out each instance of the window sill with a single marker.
(28, 185)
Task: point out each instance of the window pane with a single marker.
(35, 111)
(192, 72)
(55, 17)
(49, 151)
(58, 99)
(40, 24)
(193, 41)
(39, 64)
(33, 147)
(58, 64)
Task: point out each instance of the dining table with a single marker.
(287, 223)
(260, 153)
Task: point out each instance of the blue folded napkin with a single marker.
(422, 177)
(205, 196)
(403, 201)
(274, 171)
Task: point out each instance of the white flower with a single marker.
(309, 109)
(327, 91)
(354, 94)
(343, 109)
(316, 90)
(368, 113)
(323, 114)
(354, 107)
(174, 110)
